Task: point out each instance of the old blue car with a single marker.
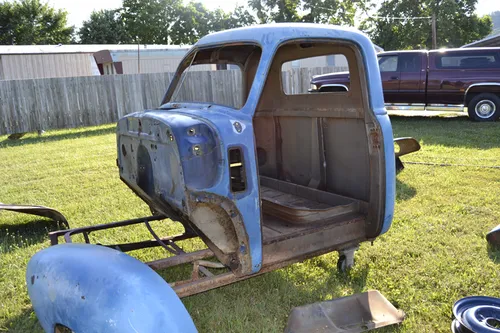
(266, 178)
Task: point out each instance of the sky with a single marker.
(79, 10)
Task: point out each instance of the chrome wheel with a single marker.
(485, 109)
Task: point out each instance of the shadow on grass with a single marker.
(269, 298)
(26, 321)
(35, 231)
(404, 191)
(48, 137)
(450, 132)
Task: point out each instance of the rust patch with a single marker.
(375, 138)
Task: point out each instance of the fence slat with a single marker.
(31, 105)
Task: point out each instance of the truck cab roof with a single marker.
(274, 34)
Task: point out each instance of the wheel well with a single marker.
(474, 91)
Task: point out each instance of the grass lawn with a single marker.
(434, 254)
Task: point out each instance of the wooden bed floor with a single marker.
(276, 229)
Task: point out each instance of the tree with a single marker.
(170, 21)
(196, 21)
(316, 11)
(104, 27)
(193, 22)
(150, 21)
(33, 22)
(7, 27)
(456, 23)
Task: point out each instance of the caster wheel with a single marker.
(343, 265)
(346, 259)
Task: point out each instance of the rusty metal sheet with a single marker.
(406, 146)
(37, 210)
(351, 314)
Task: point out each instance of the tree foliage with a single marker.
(317, 11)
(33, 22)
(456, 24)
(160, 22)
(195, 21)
(150, 21)
(104, 27)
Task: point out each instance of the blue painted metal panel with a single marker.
(90, 288)
(221, 121)
(390, 171)
(376, 100)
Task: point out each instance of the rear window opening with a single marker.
(296, 75)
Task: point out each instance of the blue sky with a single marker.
(79, 10)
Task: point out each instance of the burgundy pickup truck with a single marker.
(437, 80)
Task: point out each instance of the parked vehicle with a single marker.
(438, 79)
(265, 180)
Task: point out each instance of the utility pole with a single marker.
(138, 57)
(434, 32)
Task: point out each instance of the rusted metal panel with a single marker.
(352, 314)
(406, 146)
(37, 210)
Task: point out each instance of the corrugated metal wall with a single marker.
(157, 65)
(37, 66)
(150, 65)
(339, 60)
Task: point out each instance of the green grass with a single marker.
(434, 254)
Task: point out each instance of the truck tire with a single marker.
(91, 288)
(484, 107)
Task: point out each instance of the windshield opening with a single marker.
(221, 75)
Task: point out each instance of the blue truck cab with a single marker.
(267, 175)
(264, 175)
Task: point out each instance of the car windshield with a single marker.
(222, 75)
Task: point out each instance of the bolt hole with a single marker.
(124, 151)
(170, 136)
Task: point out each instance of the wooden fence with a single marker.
(30, 105)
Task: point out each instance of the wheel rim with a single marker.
(477, 314)
(485, 109)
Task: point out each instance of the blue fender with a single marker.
(91, 288)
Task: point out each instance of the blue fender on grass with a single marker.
(90, 288)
